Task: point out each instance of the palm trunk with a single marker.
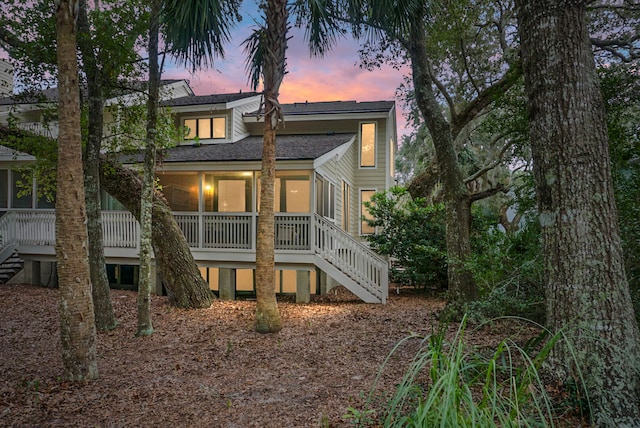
(456, 196)
(180, 274)
(145, 326)
(267, 315)
(77, 322)
(105, 317)
(587, 293)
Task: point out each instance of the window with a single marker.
(292, 192)
(109, 203)
(4, 188)
(367, 145)
(206, 128)
(365, 196)
(325, 197)
(228, 191)
(346, 205)
(180, 190)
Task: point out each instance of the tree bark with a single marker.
(77, 322)
(145, 325)
(105, 317)
(180, 274)
(267, 315)
(456, 198)
(587, 294)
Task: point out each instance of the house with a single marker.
(331, 158)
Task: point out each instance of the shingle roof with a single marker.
(51, 94)
(208, 99)
(334, 107)
(288, 147)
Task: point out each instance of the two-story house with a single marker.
(331, 157)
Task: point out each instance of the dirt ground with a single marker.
(207, 367)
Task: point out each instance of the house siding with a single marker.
(239, 128)
(375, 177)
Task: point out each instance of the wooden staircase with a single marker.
(10, 267)
(350, 262)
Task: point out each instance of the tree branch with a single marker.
(489, 192)
(617, 47)
(493, 164)
(8, 40)
(486, 97)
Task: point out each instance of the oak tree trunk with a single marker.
(457, 200)
(105, 317)
(145, 325)
(587, 295)
(77, 323)
(180, 274)
(267, 314)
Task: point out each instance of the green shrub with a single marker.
(412, 233)
(508, 268)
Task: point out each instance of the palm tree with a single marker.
(266, 50)
(77, 324)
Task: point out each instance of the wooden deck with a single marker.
(220, 238)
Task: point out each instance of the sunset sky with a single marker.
(333, 77)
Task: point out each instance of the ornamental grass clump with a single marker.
(448, 384)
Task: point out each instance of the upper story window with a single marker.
(367, 145)
(206, 128)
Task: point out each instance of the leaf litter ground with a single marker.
(208, 367)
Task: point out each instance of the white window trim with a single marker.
(375, 144)
(333, 202)
(342, 210)
(360, 207)
(216, 116)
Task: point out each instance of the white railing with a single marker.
(50, 131)
(293, 232)
(231, 231)
(7, 243)
(36, 228)
(351, 257)
(120, 230)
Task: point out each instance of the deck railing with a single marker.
(7, 242)
(351, 257)
(227, 231)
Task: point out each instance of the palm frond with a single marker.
(195, 31)
(322, 29)
(254, 48)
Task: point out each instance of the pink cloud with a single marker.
(333, 77)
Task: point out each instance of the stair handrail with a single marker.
(7, 238)
(376, 282)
